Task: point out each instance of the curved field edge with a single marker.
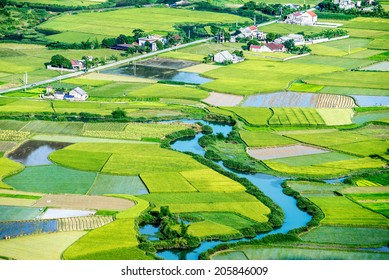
(116, 241)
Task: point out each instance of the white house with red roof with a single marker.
(269, 47)
(77, 64)
(302, 18)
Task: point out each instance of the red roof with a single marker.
(255, 47)
(312, 14)
(274, 46)
(253, 27)
(297, 14)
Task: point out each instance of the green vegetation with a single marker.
(341, 211)
(52, 179)
(16, 213)
(347, 236)
(295, 116)
(21, 196)
(166, 182)
(108, 184)
(264, 139)
(253, 116)
(316, 159)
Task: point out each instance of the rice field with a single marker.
(208, 229)
(252, 115)
(109, 184)
(336, 116)
(19, 213)
(169, 91)
(264, 139)
(316, 188)
(52, 179)
(295, 116)
(164, 21)
(364, 148)
(314, 159)
(83, 223)
(13, 135)
(347, 236)
(7, 145)
(341, 211)
(166, 182)
(283, 152)
(30, 247)
(295, 253)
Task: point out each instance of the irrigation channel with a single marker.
(268, 184)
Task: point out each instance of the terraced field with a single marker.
(295, 116)
(83, 223)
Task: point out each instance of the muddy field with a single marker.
(84, 202)
(222, 99)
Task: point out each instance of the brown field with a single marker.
(334, 101)
(282, 152)
(72, 201)
(222, 99)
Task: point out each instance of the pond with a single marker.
(14, 229)
(156, 73)
(34, 153)
(268, 184)
(367, 101)
(150, 231)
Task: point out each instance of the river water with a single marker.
(268, 184)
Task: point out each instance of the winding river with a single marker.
(268, 184)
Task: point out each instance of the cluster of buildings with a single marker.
(226, 56)
(76, 94)
(151, 40)
(350, 4)
(302, 18)
(250, 32)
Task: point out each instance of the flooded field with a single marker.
(34, 153)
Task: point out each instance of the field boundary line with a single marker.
(93, 184)
(105, 163)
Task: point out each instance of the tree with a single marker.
(108, 42)
(118, 113)
(138, 33)
(121, 39)
(270, 37)
(60, 61)
(3, 3)
(289, 44)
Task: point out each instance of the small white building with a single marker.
(77, 94)
(297, 38)
(222, 57)
(269, 47)
(306, 18)
(152, 39)
(77, 64)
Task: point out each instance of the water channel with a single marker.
(268, 184)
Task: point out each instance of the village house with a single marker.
(76, 94)
(77, 64)
(152, 39)
(250, 32)
(269, 47)
(124, 47)
(302, 18)
(346, 4)
(224, 56)
(297, 38)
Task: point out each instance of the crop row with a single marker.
(83, 223)
(13, 135)
(334, 101)
(295, 116)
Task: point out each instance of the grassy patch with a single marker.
(264, 139)
(365, 148)
(9, 167)
(209, 228)
(169, 91)
(253, 116)
(109, 184)
(314, 159)
(17, 213)
(295, 116)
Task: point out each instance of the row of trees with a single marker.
(376, 11)
(62, 62)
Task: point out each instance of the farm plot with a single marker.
(314, 159)
(126, 159)
(366, 101)
(137, 131)
(308, 187)
(364, 148)
(168, 91)
(341, 211)
(336, 116)
(109, 184)
(345, 61)
(352, 91)
(208, 228)
(347, 236)
(166, 182)
(6, 145)
(13, 135)
(30, 247)
(282, 152)
(9, 167)
(200, 68)
(164, 20)
(11, 124)
(118, 89)
(292, 253)
(19, 228)
(264, 139)
(52, 179)
(53, 127)
(84, 202)
(381, 66)
(222, 99)
(295, 116)
(111, 126)
(18, 213)
(83, 223)
(253, 116)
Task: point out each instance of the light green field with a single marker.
(254, 116)
(126, 159)
(65, 3)
(366, 148)
(208, 228)
(305, 87)
(163, 20)
(117, 89)
(52, 179)
(293, 253)
(30, 247)
(47, 127)
(169, 91)
(9, 167)
(284, 29)
(137, 131)
(341, 211)
(264, 139)
(295, 116)
(19, 213)
(336, 116)
(314, 159)
(352, 90)
(208, 180)
(368, 23)
(308, 187)
(75, 37)
(375, 80)
(105, 126)
(108, 184)
(166, 182)
(256, 75)
(341, 48)
(13, 135)
(347, 235)
(344, 62)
